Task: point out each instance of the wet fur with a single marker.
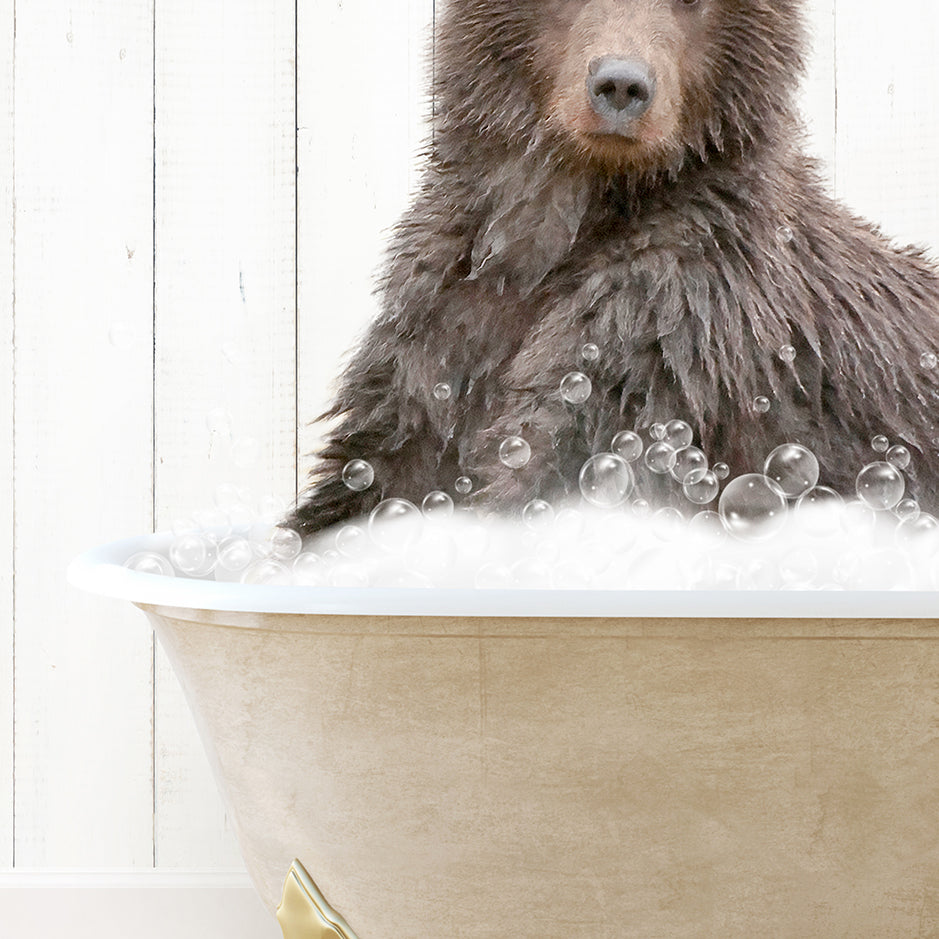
(523, 245)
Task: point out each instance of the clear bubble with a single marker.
(514, 452)
(787, 353)
(708, 524)
(538, 515)
(687, 460)
(678, 434)
(347, 574)
(793, 468)
(660, 457)
(928, 360)
(246, 452)
(640, 508)
(219, 422)
(358, 475)
(899, 456)
(442, 391)
(437, 504)
(906, 508)
(784, 235)
(285, 543)
(721, 470)
(235, 554)
(213, 523)
(919, 533)
(576, 387)
(395, 524)
(880, 443)
(700, 486)
(880, 485)
(193, 554)
(819, 510)
(590, 351)
(657, 431)
(606, 480)
(761, 404)
(628, 445)
(799, 567)
(761, 574)
(752, 507)
(271, 508)
(267, 571)
(351, 541)
(150, 562)
(668, 523)
(309, 569)
(241, 517)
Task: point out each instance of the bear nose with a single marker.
(620, 90)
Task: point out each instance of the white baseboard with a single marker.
(142, 904)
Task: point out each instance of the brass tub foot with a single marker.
(304, 913)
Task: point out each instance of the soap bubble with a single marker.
(906, 508)
(687, 460)
(660, 457)
(267, 571)
(880, 485)
(442, 391)
(494, 576)
(819, 510)
(761, 404)
(538, 514)
(784, 234)
(590, 351)
(721, 470)
(514, 452)
(350, 541)
(358, 475)
(150, 562)
(219, 421)
(667, 523)
(193, 554)
(793, 468)
(708, 524)
(928, 360)
(920, 533)
(657, 431)
(787, 353)
(309, 569)
(394, 524)
(899, 456)
(880, 443)
(437, 504)
(628, 445)
(798, 566)
(700, 486)
(348, 575)
(213, 523)
(235, 554)
(463, 485)
(678, 435)
(752, 507)
(576, 387)
(606, 480)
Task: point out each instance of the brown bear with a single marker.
(627, 174)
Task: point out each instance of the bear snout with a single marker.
(620, 90)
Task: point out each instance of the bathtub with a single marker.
(430, 764)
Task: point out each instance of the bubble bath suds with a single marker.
(775, 529)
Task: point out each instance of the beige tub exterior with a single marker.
(447, 766)
(478, 777)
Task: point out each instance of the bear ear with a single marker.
(532, 222)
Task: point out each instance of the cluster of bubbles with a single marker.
(774, 529)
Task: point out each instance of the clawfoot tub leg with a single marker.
(304, 913)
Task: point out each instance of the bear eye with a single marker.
(688, 3)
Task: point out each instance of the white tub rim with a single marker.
(100, 571)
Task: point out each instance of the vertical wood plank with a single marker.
(888, 117)
(225, 322)
(357, 142)
(818, 97)
(83, 448)
(6, 434)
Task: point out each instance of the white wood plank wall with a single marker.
(202, 192)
